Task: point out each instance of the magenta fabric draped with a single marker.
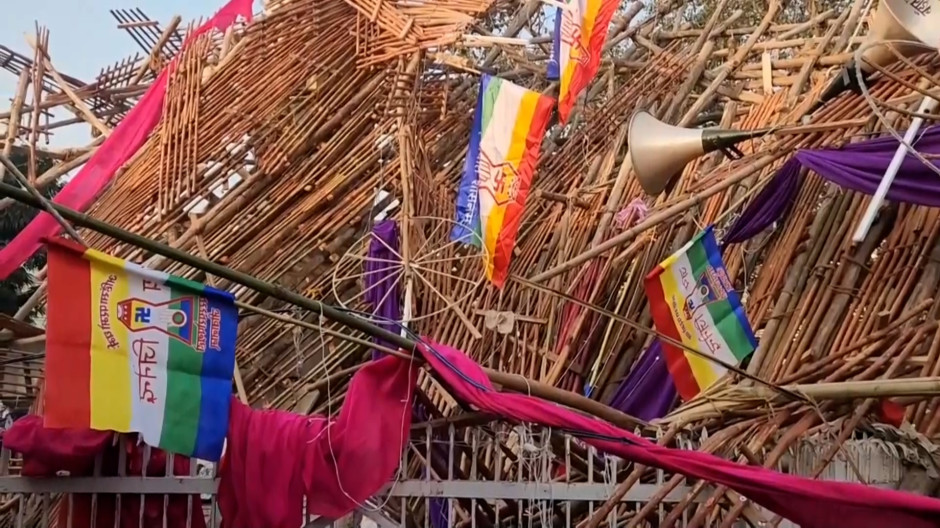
(809, 503)
(125, 140)
(275, 458)
(47, 452)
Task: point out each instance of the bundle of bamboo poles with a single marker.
(273, 158)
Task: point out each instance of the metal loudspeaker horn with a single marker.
(908, 20)
(659, 152)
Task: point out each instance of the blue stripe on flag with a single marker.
(554, 63)
(710, 244)
(467, 228)
(217, 369)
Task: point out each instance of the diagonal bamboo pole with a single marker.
(509, 381)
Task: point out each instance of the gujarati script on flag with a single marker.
(692, 301)
(130, 349)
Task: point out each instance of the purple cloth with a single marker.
(774, 202)
(648, 391)
(856, 166)
(382, 278)
(860, 167)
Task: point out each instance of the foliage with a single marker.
(19, 286)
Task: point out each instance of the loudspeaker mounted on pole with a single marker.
(659, 151)
(907, 20)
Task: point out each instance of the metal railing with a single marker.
(494, 474)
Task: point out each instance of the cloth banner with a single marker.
(856, 166)
(48, 452)
(580, 33)
(508, 128)
(693, 302)
(807, 502)
(382, 278)
(130, 349)
(275, 458)
(123, 142)
(648, 392)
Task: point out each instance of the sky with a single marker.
(83, 38)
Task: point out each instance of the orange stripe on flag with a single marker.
(594, 26)
(531, 127)
(68, 338)
(676, 361)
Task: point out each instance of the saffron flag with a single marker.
(692, 302)
(130, 349)
(508, 127)
(580, 32)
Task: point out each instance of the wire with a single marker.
(871, 100)
(665, 339)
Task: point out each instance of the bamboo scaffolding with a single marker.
(283, 141)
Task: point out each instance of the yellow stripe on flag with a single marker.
(516, 151)
(701, 368)
(110, 367)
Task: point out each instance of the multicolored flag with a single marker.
(580, 32)
(130, 349)
(692, 302)
(505, 140)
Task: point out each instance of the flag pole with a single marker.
(512, 382)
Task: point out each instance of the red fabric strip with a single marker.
(809, 503)
(676, 362)
(47, 452)
(125, 140)
(67, 391)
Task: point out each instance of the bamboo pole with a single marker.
(508, 381)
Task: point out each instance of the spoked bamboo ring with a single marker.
(443, 273)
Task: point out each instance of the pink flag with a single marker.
(125, 140)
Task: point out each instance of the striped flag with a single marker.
(580, 32)
(692, 302)
(130, 349)
(505, 140)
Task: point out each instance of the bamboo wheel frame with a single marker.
(435, 261)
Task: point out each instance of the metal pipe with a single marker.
(926, 106)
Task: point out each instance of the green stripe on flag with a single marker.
(184, 381)
(726, 321)
(489, 101)
(181, 286)
(698, 259)
(731, 329)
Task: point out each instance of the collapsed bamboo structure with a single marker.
(284, 139)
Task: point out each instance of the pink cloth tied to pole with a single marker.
(274, 459)
(123, 142)
(809, 503)
(47, 452)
